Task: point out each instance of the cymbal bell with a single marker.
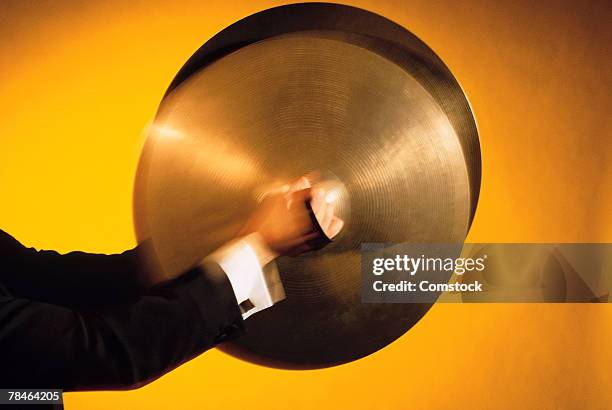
(281, 107)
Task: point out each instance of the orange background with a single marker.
(79, 81)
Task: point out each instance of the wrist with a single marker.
(260, 247)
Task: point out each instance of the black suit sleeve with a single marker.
(119, 345)
(75, 280)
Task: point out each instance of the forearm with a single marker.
(51, 346)
(76, 280)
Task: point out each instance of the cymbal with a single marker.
(369, 30)
(273, 110)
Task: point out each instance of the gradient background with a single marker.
(79, 81)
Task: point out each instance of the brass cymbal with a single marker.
(276, 109)
(369, 30)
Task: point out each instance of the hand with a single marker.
(284, 222)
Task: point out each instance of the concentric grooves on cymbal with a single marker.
(277, 109)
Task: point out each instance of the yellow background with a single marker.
(79, 81)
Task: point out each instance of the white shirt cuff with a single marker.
(256, 287)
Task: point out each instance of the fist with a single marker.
(293, 220)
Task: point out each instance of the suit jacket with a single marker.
(83, 321)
